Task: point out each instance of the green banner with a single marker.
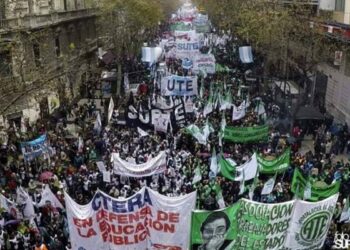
(226, 169)
(247, 134)
(280, 164)
(202, 28)
(300, 182)
(180, 27)
(262, 226)
(215, 229)
(245, 225)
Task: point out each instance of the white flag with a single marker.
(23, 198)
(238, 112)
(214, 163)
(141, 132)
(248, 170)
(197, 175)
(268, 187)
(46, 196)
(98, 123)
(307, 191)
(110, 109)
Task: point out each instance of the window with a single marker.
(36, 51)
(5, 63)
(339, 5)
(57, 47)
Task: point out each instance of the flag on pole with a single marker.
(214, 162)
(197, 175)
(242, 186)
(268, 187)
(345, 214)
(23, 126)
(307, 191)
(98, 123)
(141, 132)
(110, 109)
(219, 197)
(23, 199)
(252, 187)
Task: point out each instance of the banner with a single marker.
(245, 54)
(204, 63)
(211, 230)
(310, 224)
(155, 165)
(186, 49)
(246, 134)
(144, 117)
(146, 220)
(190, 35)
(179, 86)
(181, 26)
(300, 183)
(277, 165)
(227, 170)
(35, 148)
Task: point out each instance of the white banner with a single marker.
(146, 220)
(186, 49)
(155, 165)
(309, 226)
(190, 35)
(179, 86)
(205, 63)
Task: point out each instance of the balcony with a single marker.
(39, 21)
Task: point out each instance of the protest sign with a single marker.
(179, 86)
(246, 134)
(155, 165)
(35, 148)
(309, 226)
(146, 220)
(204, 63)
(280, 164)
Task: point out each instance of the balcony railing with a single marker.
(37, 21)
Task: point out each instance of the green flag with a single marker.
(197, 175)
(246, 134)
(280, 164)
(227, 170)
(300, 182)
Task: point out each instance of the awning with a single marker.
(308, 113)
(245, 54)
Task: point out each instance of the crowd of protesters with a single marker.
(72, 162)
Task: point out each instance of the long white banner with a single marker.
(154, 166)
(179, 86)
(309, 226)
(146, 220)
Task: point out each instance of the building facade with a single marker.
(47, 48)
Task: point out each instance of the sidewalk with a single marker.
(308, 144)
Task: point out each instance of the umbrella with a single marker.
(12, 222)
(46, 175)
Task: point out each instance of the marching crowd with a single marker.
(70, 166)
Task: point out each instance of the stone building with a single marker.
(47, 50)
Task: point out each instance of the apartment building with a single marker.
(47, 49)
(333, 77)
